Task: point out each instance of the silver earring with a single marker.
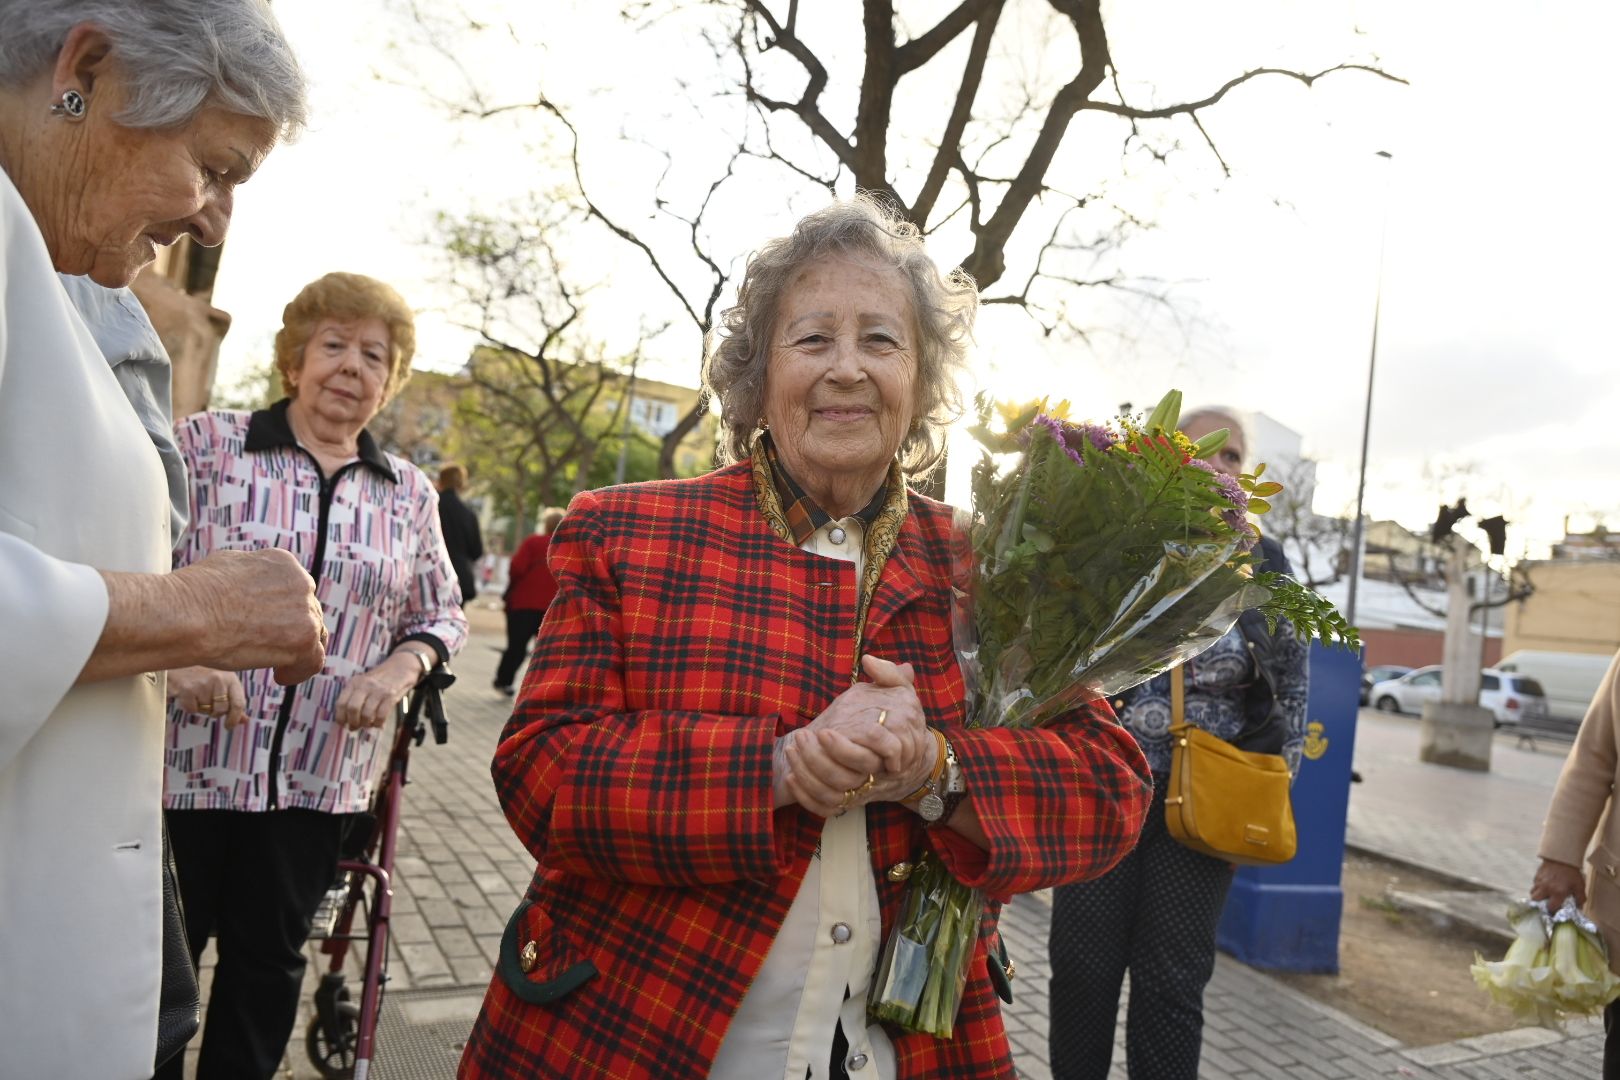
(71, 106)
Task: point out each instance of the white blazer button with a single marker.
(837, 535)
(840, 933)
(856, 1063)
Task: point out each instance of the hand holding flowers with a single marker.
(1557, 966)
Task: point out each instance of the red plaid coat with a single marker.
(685, 636)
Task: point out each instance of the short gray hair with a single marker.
(944, 306)
(178, 56)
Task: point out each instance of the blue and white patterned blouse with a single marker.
(1219, 681)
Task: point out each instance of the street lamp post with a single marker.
(1358, 540)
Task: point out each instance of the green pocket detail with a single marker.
(536, 993)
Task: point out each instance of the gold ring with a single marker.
(870, 780)
(883, 716)
(848, 796)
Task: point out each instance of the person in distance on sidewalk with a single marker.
(459, 525)
(528, 594)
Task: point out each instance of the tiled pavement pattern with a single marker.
(460, 871)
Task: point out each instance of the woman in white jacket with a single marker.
(122, 127)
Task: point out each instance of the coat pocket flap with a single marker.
(533, 963)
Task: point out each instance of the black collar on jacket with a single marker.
(268, 429)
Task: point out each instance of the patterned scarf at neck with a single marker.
(795, 517)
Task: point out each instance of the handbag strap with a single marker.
(1178, 696)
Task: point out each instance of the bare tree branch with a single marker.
(807, 107)
(961, 110)
(1189, 107)
(923, 48)
(987, 261)
(1401, 579)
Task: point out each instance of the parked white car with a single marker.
(1569, 679)
(1510, 696)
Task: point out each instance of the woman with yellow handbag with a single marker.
(1155, 914)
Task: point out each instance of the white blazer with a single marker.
(81, 489)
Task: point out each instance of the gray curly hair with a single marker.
(178, 56)
(944, 307)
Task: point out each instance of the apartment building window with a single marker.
(655, 417)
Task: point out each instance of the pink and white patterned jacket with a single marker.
(369, 535)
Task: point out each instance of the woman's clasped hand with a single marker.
(871, 744)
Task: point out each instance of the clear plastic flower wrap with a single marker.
(1557, 966)
(1102, 557)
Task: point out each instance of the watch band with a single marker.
(939, 769)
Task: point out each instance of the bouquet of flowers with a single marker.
(1556, 967)
(1105, 555)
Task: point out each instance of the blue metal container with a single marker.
(1286, 918)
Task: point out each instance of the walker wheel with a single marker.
(332, 1052)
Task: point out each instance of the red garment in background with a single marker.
(532, 585)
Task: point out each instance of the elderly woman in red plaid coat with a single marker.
(743, 721)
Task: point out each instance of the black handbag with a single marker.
(179, 1000)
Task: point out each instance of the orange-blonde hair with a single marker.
(346, 297)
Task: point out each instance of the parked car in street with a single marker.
(1569, 679)
(1377, 674)
(1509, 696)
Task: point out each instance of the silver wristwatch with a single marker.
(945, 792)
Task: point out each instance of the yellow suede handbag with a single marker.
(1224, 802)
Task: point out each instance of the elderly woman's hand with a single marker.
(1554, 881)
(260, 610)
(368, 699)
(872, 744)
(209, 692)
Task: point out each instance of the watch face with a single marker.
(930, 807)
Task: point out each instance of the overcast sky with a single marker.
(1496, 369)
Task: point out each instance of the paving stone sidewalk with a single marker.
(460, 872)
(1481, 827)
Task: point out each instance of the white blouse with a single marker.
(820, 966)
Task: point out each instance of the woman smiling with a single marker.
(743, 723)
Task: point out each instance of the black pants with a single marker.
(252, 881)
(521, 625)
(1611, 1041)
(1155, 915)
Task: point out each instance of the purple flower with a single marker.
(1073, 437)
(1100, 437)
(1058, 430)
(1233, 491)
(1237, 516)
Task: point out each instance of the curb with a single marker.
(1460, 881)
